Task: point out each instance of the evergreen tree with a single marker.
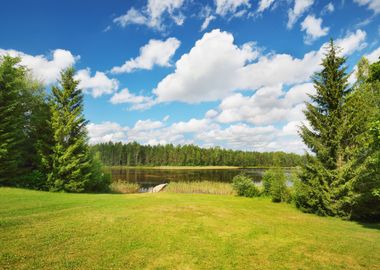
(366, 184)
(12, 135)
(70, 159)
(325, 177)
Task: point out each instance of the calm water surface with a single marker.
(152, 177)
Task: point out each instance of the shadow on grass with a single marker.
(370, 225)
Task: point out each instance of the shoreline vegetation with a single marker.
(195, 167)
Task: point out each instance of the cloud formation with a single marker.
(155, 53)
(152, 14)
(45, 68)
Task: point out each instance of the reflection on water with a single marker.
(151, 177)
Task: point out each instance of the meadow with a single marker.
(43, 230)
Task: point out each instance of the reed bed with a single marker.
(124, 187)
(203, 187)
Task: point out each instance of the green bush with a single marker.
(274, 185)
(244, 186)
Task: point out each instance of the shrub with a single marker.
(244, 186)
(274, 183)
(100, 179)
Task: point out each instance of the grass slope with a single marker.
(41, 230)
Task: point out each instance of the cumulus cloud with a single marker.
(264, 5)
(156, 52)
(152, 15)
(97, 85)
(267, 105)
(215, 67)
(370, 4)
(105, 132)
(45, 68)
(313, 28)
(208, 72)
(373, 56)
(138, 102)
(224, 7)
(300, 7)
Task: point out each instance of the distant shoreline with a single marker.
(193, 167)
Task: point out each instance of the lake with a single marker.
(151, 177)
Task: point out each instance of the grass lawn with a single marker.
(40, 230)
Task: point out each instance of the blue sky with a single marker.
(230, 73)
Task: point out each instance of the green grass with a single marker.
(200, 187)
(41, 230)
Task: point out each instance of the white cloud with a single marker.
(371, 4)
(148, 124)
(329, 8)
(105, 132)
(300, 6)
(313, 28)
(207, 21)
(373, 56)
(207, 72)
(215, 67)
(264, 4)
(352, 42)
(152, 14)
(138, 102)
(97, 85)
(156, 52)
(224, 7)
(46, 69)
(268, 105)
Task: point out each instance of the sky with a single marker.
(228, 73)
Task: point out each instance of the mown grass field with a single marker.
(40, 230)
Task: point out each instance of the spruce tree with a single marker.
(324, 179)
(12, 135)
(70, 159)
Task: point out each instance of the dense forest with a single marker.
(134, 154)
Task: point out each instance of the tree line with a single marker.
(134, 154)
(43, 138)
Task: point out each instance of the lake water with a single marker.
(152, 177)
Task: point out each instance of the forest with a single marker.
(134, 154)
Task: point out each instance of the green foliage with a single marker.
(134, 154)
(71, 162)
(274, 185)
(12, 88)
(100, 179)
(244, 186)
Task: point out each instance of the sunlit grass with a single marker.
(41, 230)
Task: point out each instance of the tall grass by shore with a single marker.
(124, 187)
(204, 187)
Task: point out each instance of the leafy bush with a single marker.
(244, 186)
(100, 179)
(274, 185)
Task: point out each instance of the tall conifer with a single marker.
(324, 176)
(71, 162)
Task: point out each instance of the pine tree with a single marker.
(70, 160)
(324, 178)
(12, 135)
